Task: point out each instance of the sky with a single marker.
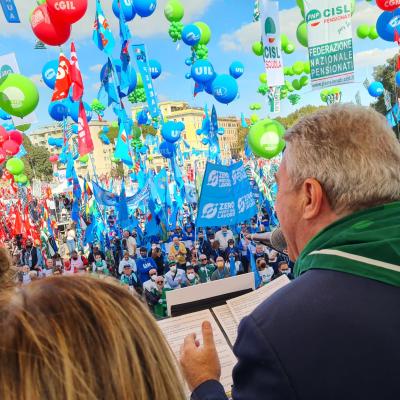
(233, 33)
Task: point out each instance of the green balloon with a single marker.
(40, 2)
(301, 34)
(298, 67)
(254, 118)
(373, 34)
(15, 166)
(307, 67)
(205, 32)
(296, 84)
(258, 49)
(304, 81)
(284, 41)
(115, 160)
(289, 49)
(289, 86)
(174, 11)
(324, 94)
(266, 138)
(18, 95)
(84, 159)
(289, 71)
(136, 132)
(263, 77)
(139, 84)
(22, 179)
(363, 31)
(23, 128)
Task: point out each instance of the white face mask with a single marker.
(286, 271)
(153, 278)
(191, 276)
(173, 269)
(263, 272)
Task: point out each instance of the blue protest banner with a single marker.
(226, 196)
(10, 11)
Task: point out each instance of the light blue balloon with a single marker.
(145, 8)
(104, 139)
(155, 69)
(191, 35)
(74, 111)
(106, 129)
(188, 75)
(127, 8)
(225, 89)
(188, 62)
(205, 141)
(4, 116)
(375, 89)
(75, 129)
(236, 69)
(167, 149)
(56, 142)
(49, 73)
(171, 131)
(58, 110)
(202, 71)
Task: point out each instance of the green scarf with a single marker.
(366, 243)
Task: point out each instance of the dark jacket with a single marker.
(327, 335)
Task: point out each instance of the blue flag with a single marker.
(77, 194)
(253, 268)
(123, 214)
(232, 266)
(102, 35)
(108, 93)
(10, 11)
(122, 149)
(104, 197)
(390, 119)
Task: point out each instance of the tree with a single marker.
(294, 117)
(36, 161)
(242, 133)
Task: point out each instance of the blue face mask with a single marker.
(224, 233)
(176, 247)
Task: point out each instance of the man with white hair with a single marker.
(332, 332)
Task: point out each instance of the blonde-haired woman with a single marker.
(79, 338)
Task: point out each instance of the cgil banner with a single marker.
(330, 43)
(271, 38)
(226, 196)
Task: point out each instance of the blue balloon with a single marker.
(225, 89)
(49, 73)
(155, 69)
(132, 80)
(104, 139)
(188, 75)
(202, 71)
(74, 111)
(143, 150)
(375, 89)
(208, 85)
(62, 158)
(387, 24)
(398, 78)
(171, 131)
(191, 35)
(205, 141)
(167, 149)
(236, 69)
(75, 129)
(188, 62)
(127, 8)
(4, 116)
(56, 142)
(106, 129)
(145, 8)
(58, 110)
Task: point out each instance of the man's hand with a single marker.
(200, 364)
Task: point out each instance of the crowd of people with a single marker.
(189, 257)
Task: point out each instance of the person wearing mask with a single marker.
(29, 256)
(231, 249)
(203, 246)
(58, 262)
(144, 264)
(160, 308)
(49, 269)
(157, 256)
(95, 250)
(233, 262)
(82, 338)
(175, 277)
(216, 251)
(264, 270)
(129, 244)
(126, 260)
(192, 278)
(205, 269)
(221, 272)
(129, 278)
(78, 263)
(71, 240)
(150, 283)
(178, 250)
(223, 237)
(188, 234)
(116, 248)
(283, 269)
(260, 252)
(178, 232)
(273, 259)
(99, 266)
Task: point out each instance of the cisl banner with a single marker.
(330, 43)
(271, 38)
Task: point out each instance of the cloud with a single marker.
(96, 86)
(163, 97)
(38, 80)
(154, 25)
(95, 68)
(164, 76)
(372, 57)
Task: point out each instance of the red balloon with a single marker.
(3, 135)
(53, 34)
(53, 159)
(388, 5)
(3, 156)
(16, 136)
(10, 147)
(67, 11)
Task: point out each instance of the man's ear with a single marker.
(313, 197)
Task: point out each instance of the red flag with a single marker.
(76, 76)
(398, 63)
(396, 36)
(63, 82)
(85, 143)
(18, 223)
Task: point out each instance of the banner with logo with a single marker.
(271, 38)
(139, 51)
(10, 11)
(330, 43)
(226, 196)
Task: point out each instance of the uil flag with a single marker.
(102, 35)
(76, 76)
(85, 143)
(63, 82)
